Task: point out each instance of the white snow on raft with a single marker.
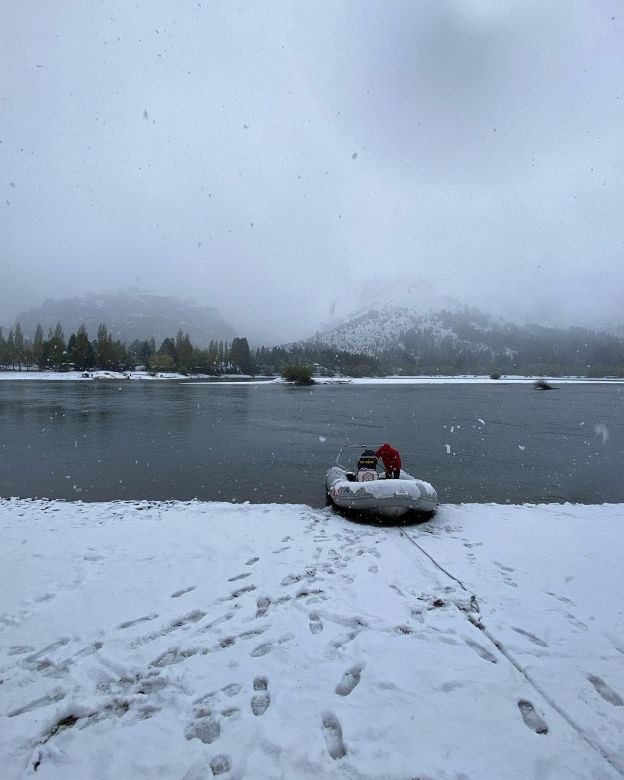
(365, 490)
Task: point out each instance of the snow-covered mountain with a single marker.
(409, 326)
(386, 311)
(130, 315)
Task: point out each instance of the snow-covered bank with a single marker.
(466, 380)
(86, 376)
(237, 379)
(187, 640)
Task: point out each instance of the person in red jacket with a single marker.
(391, 460)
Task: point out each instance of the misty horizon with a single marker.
(272, 161)
(134, 314)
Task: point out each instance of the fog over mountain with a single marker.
(269, 159)
(128, 316)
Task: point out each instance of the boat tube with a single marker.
(368, 490)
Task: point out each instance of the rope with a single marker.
(611, 760)
(433, 560)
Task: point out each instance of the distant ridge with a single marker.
(129, 316)
(408, 326)
(384, 312)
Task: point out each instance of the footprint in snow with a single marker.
(220, 764)
(340, 641)
(262, 605)
(263, 649)
(204, 728)
(251, 561)
(206, 704)
(575, 622)
(531, 637)
(151, 683)
(332, 734)
(20, 649)
(534, 721)
(253, 632)
(136, 621)
(175, 656)
(502, 567)
(182, 591)
(45, 597)
(349, 680)
(53, 696)
(48, 648)
(89, 650)
(316, 624)
(604, 690)
(235, 594)
(239, 577)
(482, 651)
(290, 579)
(262, 698)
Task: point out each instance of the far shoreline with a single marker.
(245, 379)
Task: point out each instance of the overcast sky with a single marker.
(268, 157)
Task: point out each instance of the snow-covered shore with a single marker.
(234, 379)
(85, 376)
(188, 640)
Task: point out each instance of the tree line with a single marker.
(476, 344)
(104, 352)
(470, 346)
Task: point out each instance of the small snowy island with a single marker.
(193, 640)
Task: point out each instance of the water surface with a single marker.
(167, 440)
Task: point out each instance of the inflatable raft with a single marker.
(368, 490)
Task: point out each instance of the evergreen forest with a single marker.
(469, 348)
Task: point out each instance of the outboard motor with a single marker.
(367, 466)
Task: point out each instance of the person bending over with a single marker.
(391, 460)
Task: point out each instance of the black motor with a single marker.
(367, 460)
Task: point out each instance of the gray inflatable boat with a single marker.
(366, 488)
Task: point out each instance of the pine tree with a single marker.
(168, 347)
(10, 349)
(104, 348)
(184, 351)
(148, 349)
(56, 346)
(240, 355)
(19, 345)
(79, 350)
(3, 349)
(37, 347)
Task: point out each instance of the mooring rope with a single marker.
(433, 560)
(611, 760)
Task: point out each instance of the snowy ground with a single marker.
(188, 640)
(79, 376)
(66, 376)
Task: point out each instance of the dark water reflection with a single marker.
(164, 440)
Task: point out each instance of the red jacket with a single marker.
(390, 457)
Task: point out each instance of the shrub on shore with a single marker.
(299, 375)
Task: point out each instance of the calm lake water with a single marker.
(165, 440)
